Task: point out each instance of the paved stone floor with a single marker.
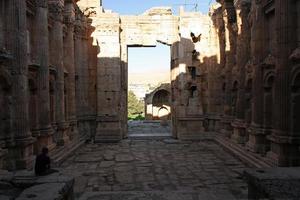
(148, 129)
(156, 170)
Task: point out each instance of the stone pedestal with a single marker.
(240, 133)
(189, 128)
(108, 130)
(258, 142)
(284, 151)
(226, 129)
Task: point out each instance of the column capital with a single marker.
(41, 3)
(56, 10)
(69, 14)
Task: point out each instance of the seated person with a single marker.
(42, 164)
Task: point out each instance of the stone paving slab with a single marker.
(155, 165)
(160, 195)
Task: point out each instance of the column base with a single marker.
(227, 129)
(63, 137)
(108, 130)
(284, 151)
(240, 134)
(45, 139)
(20, 154)
(258, 142)
(190, 128)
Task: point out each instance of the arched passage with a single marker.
(161, 105)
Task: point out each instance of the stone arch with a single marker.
(161, 102)
(163, 113)
(269, 79)
(295, 101)
(5, 104)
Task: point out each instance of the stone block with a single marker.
(273, 183)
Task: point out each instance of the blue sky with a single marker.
(145, 60)
(135, 7)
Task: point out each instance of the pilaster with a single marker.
(41, 42)
(57, 54)
(20, 145)
(69, 65)
(284, 146)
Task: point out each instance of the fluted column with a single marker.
(243, 51)
(21, 149)
(41, 57)
(69, 64)
(57, 53)
(256, 141)
(284, 147)
(79, 71)
(229, 16)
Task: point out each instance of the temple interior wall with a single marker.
(64, 71)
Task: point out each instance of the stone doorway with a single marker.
(149, 91)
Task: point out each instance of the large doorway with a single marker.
(149, 91)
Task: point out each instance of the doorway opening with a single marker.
(149, 91)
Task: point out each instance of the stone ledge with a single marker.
(252, 159)
(273, 183)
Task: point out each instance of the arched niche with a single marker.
(295, 102)
(268, 99)
(5, 105)
(33, 103)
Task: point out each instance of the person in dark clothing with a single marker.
(42, 163)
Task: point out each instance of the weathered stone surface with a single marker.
(274, 183)
(47, 191)
(146, 165)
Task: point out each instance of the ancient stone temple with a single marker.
(235, 76)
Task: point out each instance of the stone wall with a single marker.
(64, 70)
(259, 70)
(45, 64)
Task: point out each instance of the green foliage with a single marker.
(135, 107)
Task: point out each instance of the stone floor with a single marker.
(148, 129)
(156, 170)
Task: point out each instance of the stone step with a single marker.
(60, 154)
(204, 194)
(241, 153)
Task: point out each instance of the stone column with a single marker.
(79, 71)
(243, 51)
(21, 145)
(256, 141)
(229, 16)
(284, 146)
(41, 57)
(69, 64)
(57, 53)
